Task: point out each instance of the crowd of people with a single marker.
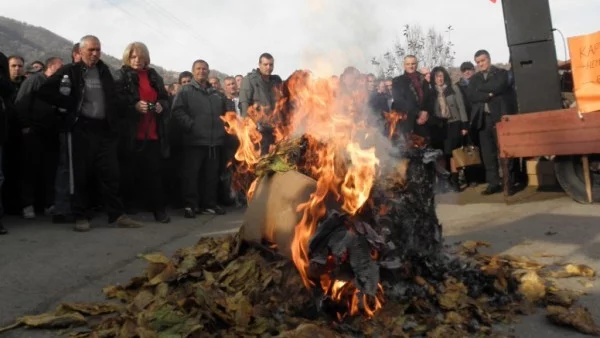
(76, 136)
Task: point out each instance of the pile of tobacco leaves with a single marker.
(227, 288)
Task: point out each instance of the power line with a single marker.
(177, 21)
(126, 12)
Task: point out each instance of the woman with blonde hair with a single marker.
(144, 138)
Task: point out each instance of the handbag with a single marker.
(467, 155)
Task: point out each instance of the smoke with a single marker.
(340, 33)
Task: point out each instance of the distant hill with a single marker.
(37, 43)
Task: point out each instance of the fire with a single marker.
(392, 118)
(333, 117)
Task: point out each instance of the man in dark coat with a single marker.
(412, 95)
(38, 122)
(197, 111)
(92, 109)
(5, 95)
(489, 93)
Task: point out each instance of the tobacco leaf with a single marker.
(470, 247)
(161, 273)
(522, 262)
(532, 286)
(116, 292)
(310, 331)
(156, 257)
(563, 298)
(573, 270)
(88, 308)
(453, 297)
(443, 331)
(143, 299)
(166, 316)
(188, 263)
(576, 317)
(51, 321)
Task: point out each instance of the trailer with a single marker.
(567, 137)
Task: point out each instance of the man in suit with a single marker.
(489, 92)
(411, 95)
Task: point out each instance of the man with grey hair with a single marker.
(86, 90)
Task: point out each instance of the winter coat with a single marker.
(50, 93)
(497, 83)
(197, 111)
(32, 112)
(255, 90)
(127, 86)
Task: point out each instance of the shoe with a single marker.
(82, 225)
(473, 185)
(216, 210)
(28, 212)
(492, 189)
(189, 213)
(50, 211)
(3, 230)
(125, 221)
(161, 217)
(63, 219)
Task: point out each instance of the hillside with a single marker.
(37, 43)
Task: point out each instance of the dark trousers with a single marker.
(476, 173)
(1, 183)
(62, 193)
(200, 169)
(489, 153)
(142, 179)
(172, 175)
(95, 156)
(226, 169)
(40, 159)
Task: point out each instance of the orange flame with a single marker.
(333, 118)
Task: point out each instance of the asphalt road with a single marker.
(42, 265)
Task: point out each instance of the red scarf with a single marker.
(147, 126)
(416, 82)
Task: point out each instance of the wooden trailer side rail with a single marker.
(556, 132)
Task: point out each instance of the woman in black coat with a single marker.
(144, 139)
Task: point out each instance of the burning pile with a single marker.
(364, 257)
(363, 214)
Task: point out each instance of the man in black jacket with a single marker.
(489, 93)
(197, 110)
(412, 96)
(5, 95)
(37, 120)
(92, 109)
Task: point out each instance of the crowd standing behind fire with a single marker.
(75, 136)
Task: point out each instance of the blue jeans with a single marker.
(62, 196)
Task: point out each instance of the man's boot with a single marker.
(125, 221)
(82, 225)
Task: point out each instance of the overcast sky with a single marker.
(324, 35)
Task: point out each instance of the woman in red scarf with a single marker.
(144, 130)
